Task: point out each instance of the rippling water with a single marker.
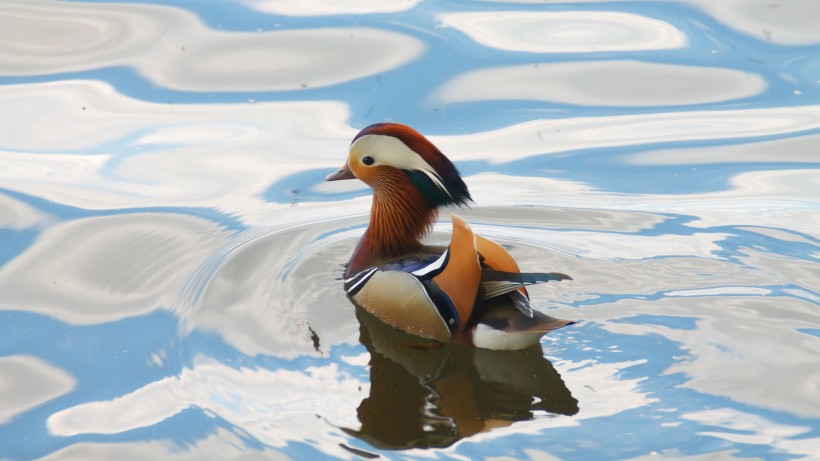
(170, 258)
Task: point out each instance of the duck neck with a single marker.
(399, 217)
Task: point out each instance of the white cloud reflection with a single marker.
(222, 445)
(316, 401)
(676, 454)
(100, 269)
(565, 31)
(173, 48)
(736, 339)
(171, 155)
(739, 427)
(17, 215)
(329, 7)
(603, 83)
(265, 291)
(26, 382)
(547, 136)
(662, 455)
(798, 149)
(274, 406)
(284, 60)
(783, 197)
(786, 22)
(270, 289)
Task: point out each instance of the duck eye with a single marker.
(367, 160)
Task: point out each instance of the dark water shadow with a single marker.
(425, 394)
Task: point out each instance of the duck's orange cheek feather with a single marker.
(376, 175)
(364, 173)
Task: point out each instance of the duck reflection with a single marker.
(427, 394)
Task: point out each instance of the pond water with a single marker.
(171, 256)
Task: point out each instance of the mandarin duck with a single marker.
(471, 291)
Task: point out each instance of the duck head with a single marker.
(410, 178)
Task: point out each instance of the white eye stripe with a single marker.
(390, 151)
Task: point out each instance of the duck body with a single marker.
(471, 291)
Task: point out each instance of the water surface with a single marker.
(171, 256)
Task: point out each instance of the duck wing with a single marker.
(501, 275)
(497, 283)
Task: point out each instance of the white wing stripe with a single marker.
(435, 265)
(363, 277)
